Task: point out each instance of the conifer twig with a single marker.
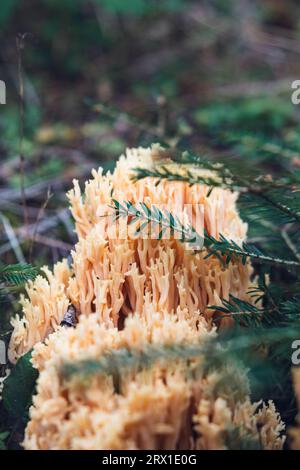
(212, 352)
(17, 273)
(221, 177)
(290, 244)
(166, 221)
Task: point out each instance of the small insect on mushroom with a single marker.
(70, 317)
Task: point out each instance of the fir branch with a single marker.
(232, 250)
(261, 188)
(17, 274)
(163, 220)
(166, 221)
(183, 169)
(213, 352)
(250, 315)
(290, 308)
(293, 214)
(289, 243)
(221, 178)
(121, 360)
(243, 313)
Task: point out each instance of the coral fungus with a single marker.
(130, 292)
(151, 408)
